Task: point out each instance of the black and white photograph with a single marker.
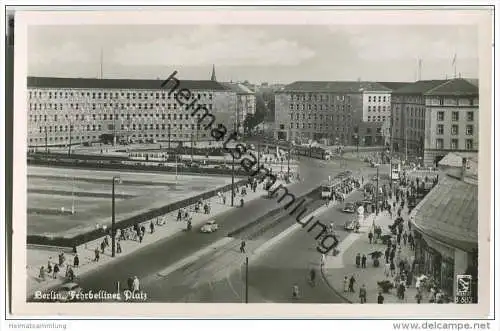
(227, 160)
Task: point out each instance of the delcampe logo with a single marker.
(464, 289)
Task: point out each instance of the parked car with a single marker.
(349, 225)
(349, 208)
(209, 227)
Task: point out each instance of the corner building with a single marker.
(347, 113)
(64, 111)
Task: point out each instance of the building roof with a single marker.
(449, 213)
(458, 86)
(394, 85)
(94, 83)
(238, 88)
(419, 87)
(335, 87)
(473, 81)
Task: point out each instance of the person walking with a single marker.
(56, 271)
(370, 236)
(136, 285)
(380, 298)
(41, 275)
(96, 255)
(362, 294)
(118, 247)
(363, 261)
(295, 292)
(358, 260)
(242, 247)
(76, 261)
(152, 227)
(352, 280)
(312, 277)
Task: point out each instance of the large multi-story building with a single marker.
(451, 120)
(245, 104)
(433, 117)
(346, 113)
(64, 111)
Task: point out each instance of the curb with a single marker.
(339, 294)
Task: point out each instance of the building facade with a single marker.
(335, 112)
(452, 120)
(445, 225)
(64, 111)
(431, 118)
(408, 117)
(245, 103)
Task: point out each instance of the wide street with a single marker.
(271, 276)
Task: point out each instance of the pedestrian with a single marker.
(387, 254)
(418, 297)
(76, 261)
(363, 261)
(143, 230)
(140, 238)
(393, 254)
(392, 268)
(56, 270)
(118, 248)
(387, 269)
(358, 260)
(295, 291)
(362, 294)
(41, 275)
(346, 284)
(224, 198)
(103, 246)
(96, 254)
(135, 284)
(49, 265)
(380, 298)
(151, 227)
(352, 280)
(370, 236)
(179, 215)
(401, 291)
(242, 247)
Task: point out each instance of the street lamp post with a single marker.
(232, 182)
(246, 279)
(116, 179)
(169, 138)
(46, 141)
(376, 203)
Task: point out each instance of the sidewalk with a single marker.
(38, 257)
(337, 267)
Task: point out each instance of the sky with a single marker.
(257, 53)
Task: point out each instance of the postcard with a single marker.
(253, 162)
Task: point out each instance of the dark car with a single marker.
(349, 208)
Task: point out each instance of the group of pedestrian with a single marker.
(52, 269)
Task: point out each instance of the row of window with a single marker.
(455, 116)
(113, 95)
(376, 119)
(375, 108)
(316, 126)
(86, 138)
(380, 98)
(469, 144)
(98, 127)
(105, 106)
(319, 97)
(321, 117)
(454, 101)
(469, 130)
(104, 117)
(321, 107)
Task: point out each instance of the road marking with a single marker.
(195, 256)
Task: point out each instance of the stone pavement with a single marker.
(38, 257)
(337, 267)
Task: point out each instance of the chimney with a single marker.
(464, 165)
